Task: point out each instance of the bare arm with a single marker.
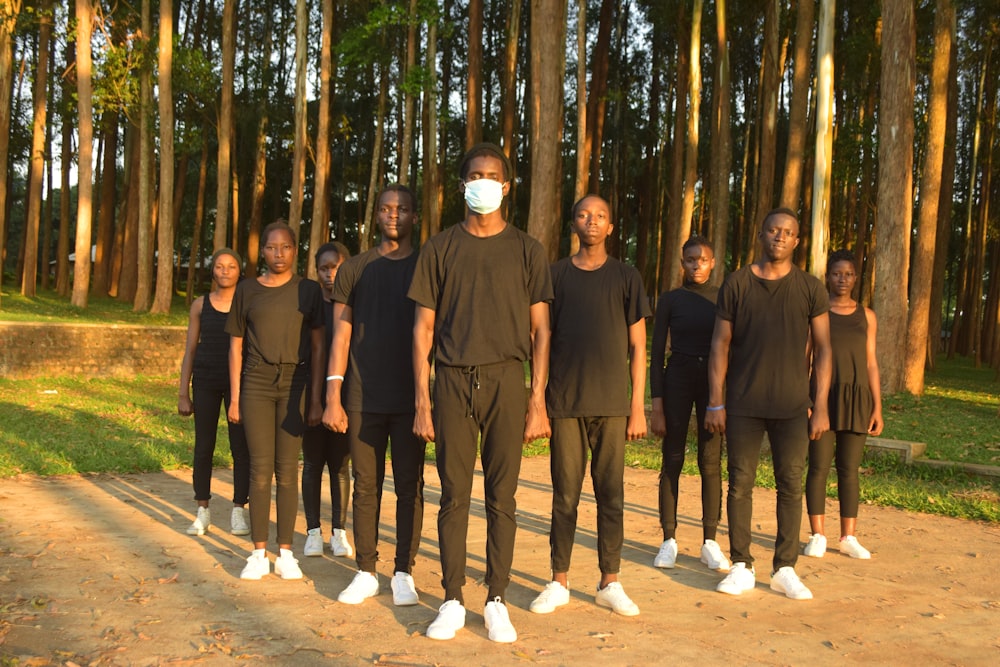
(718, 367)
(184, 406)
(536, 423)
(822, 360)
(636, 425)
(874, 381)
(317, 363)
(423, 343)
(334, 415)
(235, 369)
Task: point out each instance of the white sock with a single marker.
(285, 553)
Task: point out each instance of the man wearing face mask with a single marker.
(482, 289)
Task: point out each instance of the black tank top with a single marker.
(211, 357)
(851, 401)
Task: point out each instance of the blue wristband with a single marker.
(715, 408)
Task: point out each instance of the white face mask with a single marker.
(483, 195)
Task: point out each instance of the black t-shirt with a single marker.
(379, 374)
(591, 314)
(688, 315)
(481, 290)
(275, 322)
(768, 374)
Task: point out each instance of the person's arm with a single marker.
(875, 424)
(334, 415)
(718, 367)
(635, 428)
(235, 369)
(423, 342)
(822, 361)
(184, 406)
(657, 356)
(536, 422)
(317, 363)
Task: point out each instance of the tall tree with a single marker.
(768, 108)
(895, 186)
(223, 162)
(144, 256)
(791, 185)
(432, 190)
(823, 164)
(62, 245)
(320, 228)
(165, 228)
(722, 142)
(675, 187)
(9, 11)
(37, 159)
(548, 36)
(597, 100)
(474, 90)
(409, 98)
(299, 150)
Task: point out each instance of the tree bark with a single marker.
(431, 211)
(301, 138)
(144, 258)
(823, 165)
(675, 191)
(895, 186)
(722, 144)
(225, 123)
(597, 101)
(9, 11)
(62, 244)
(39, 102)
(770, 78)
(930, 192)
(548, 33)
(165, 228)
(409, 99)
(791, 186)
(320, 227)
(474, 90)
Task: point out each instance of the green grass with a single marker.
(48, 306)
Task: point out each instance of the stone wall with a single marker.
(33, 349)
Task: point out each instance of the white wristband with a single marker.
(334, 377)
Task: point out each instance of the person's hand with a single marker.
(233, 413)
(335, 418)
(875, 424)
(819, 423)
(715, 421)
(635, 427)
(315, 413)
(184, 407)
(423, 425)
(657, 423)
(536, 422)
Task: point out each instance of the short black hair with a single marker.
(486, 149)
(697, 240)
(278, 225)
(336, 247)
(843, 255)
(398, 187)
(781, 210)
(592, 195)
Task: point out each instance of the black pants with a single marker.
(370, 435)
(572, 439)
(789, 442)
(685, 384)
(848, 448)
(272, 399)
(322, 448)
(207, 397)
(483, 405)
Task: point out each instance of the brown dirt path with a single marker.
(98, 570)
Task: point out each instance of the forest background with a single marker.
(144, 130)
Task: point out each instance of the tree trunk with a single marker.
(791, 186)
(508, 111)
(34, 214)
(165, 228)
(125, 285)
(194, 259)
(768, 107)
(225, 123)
(597, 101)
(62, 245)
(582, 147)
(409, 99)
(474, 90)
(320, 228)
(548, 32)
(895, 186)
(930, 192)
(431, 212)
(9, 11)
(144, 282)
(823, 165)
(301, 138)
(260, 155)
(722, 144)
(366, 228)
(104, 245)
(675, 192)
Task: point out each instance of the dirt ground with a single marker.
(98, 570)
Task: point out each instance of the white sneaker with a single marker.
(450, 619)
(553, 595)
(498, 622)
(786, 581)
(849, 545)
(238, 522)
(201, 522)
(712, 556)
(339, 544)
(404, 592)
(739, 580)
(613, 596)
(314, 543)
(363, 586)
(257, 566)
(667, 556)
(816, 546)
(286, 566)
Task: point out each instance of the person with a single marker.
(855, 406)
(276, 348)
(322, 447)
(687, 316)
(482, 290)
(598, 316)
(767, 313)
(206, 358)
(373, 347)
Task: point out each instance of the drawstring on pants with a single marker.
(473, 373)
